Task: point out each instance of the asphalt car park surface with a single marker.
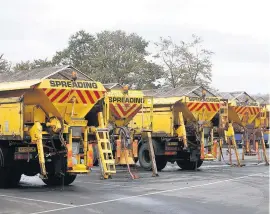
(214, 188)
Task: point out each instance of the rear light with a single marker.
(22, 156)
(69, 156)
(118, 148)
(90, 156)
(135, 148)
(170, 153)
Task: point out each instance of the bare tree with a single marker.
(4, 64)
(186, 63)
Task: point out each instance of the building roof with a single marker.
(26, 79)
(57, 72)
(193, 91)
(262, 99)
(240, 96)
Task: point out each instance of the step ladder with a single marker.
(223, 121)
(265, 155)
(223, 114)
(208, 152)
(230, 139)
(148, 136)
(263, 118)
(105, 155)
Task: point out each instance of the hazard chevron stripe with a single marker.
(243, 109)
(214, 106)
(193, 107)
(114, 111)
(119, 111)
(83, 97)
(135, 112)
(197, 106)
(127, 111)
(57, 94)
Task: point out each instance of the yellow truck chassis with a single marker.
(43, 129)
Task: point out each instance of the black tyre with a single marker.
(54, 180)
(187, 165)
(95, 161)
(3, 170)
(136, 160)
(144, 157)
(9, 179)
(30, 174)
(9, 175)
(3, 177)
(161, 162)
(14, 178)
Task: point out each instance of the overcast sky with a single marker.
(238, 31)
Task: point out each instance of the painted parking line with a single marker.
(36, 200)
(113, 184)
(148, 194)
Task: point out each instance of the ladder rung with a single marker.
(106, 151)
(111, 171)
(146, 130)
(102, 129)
(109, 161)
(108, 164)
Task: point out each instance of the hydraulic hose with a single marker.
(2, 159)
(220, 148)
(125, 132)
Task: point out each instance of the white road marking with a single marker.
(146, 194)
(36, 200)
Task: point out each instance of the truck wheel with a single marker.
(161, 162)
(187, 165)
(3, 177)
(9, 179)
(9, 175)
(144, 157)
(54, 180)
(95, 161)
(30, 174)
(14, 178)
(3, 170)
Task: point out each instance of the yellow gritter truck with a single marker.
(43, 129)
(184, 119)
(123, 106)
(248, 119)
